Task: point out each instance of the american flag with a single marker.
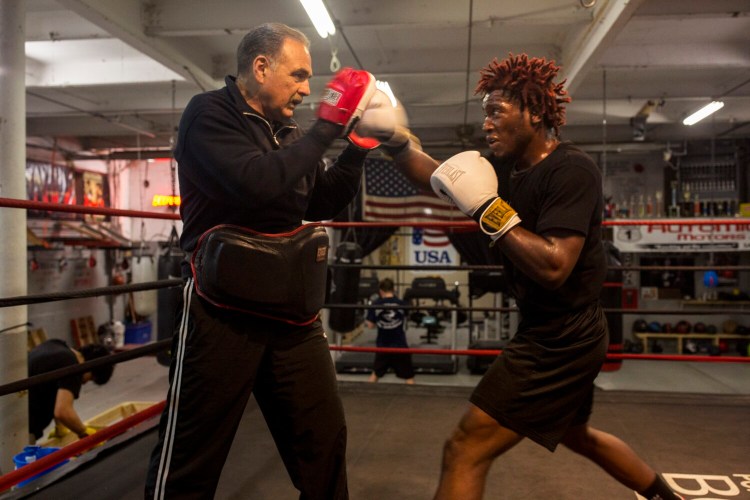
(389, 196)
(429, 237)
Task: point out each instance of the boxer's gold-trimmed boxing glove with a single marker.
(468, 181)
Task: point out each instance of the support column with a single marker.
(13, 257)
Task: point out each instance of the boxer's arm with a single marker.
(471, 183)
(416, 165)
(547, 259)
(550, 255)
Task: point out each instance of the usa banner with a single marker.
(429, 247)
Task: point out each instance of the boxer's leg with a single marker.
(469, 453)
(618, 460)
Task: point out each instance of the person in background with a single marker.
(548, 231)
(390, 324)
(55, 400)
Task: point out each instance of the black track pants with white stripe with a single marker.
(218, 359)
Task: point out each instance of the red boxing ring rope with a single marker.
(12, 478)
(80, 209)
(466, 223)
(495, 352)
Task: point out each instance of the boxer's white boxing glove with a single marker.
(469, 181)
(382, 122)
(345, 98)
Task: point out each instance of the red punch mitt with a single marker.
(345, 98)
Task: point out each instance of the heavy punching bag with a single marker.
(345, 287)
(169, 300)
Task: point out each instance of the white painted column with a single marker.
(13, 260)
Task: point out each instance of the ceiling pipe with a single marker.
(468, 69)
(465, 131)
(94, 114)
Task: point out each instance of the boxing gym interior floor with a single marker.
(687, 419)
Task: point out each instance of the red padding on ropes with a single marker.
(495, 352)
(407, 350)
(27, 471)
(465, 224)
(79, 209)
(682, 357)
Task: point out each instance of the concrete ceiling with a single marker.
(108, 76)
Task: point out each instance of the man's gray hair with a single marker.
(266, 39)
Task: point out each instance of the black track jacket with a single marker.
(235, 167)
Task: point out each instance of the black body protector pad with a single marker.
(278, 276)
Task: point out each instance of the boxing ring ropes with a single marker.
(80, 446)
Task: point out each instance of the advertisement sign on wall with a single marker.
(684, 236)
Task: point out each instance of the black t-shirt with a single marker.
(47, 356)
(561, 193)
(390, 322)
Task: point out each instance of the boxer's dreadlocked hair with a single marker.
(529, 81)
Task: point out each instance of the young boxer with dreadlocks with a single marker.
(549, 233)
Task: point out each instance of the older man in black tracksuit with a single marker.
(243, 161)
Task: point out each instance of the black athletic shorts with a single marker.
(543, 382)
(401, 364)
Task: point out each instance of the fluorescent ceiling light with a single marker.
(703, 112)
(319, 17)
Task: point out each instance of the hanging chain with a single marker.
(335, 63)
